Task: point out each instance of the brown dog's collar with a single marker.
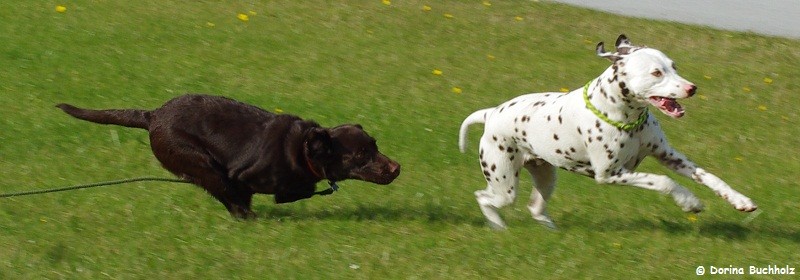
(334, 187)
(312, 169)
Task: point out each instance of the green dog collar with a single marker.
(620, 125)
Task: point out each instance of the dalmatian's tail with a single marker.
(476, 117)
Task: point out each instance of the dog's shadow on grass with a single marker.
(432, 213)
(362, 212)
(726, 229)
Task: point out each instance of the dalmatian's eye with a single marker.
(657, 73)
(674, 67)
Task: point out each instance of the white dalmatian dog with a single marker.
(602, 130)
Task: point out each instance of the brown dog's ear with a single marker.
(318, 143)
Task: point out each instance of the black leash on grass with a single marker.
(92, 185)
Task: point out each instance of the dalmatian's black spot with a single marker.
(512, 104)
(599, 138)
(516, 129)
(560, 120)
(621, 145)
(548, 118)
(501, 147)
(510, 150)
(484, 164)
(555, 136)
(524, 133)
(538, 103)
(516, 174)
(558, 151)
(501, 109)
(494, 167)
(579, 131)
(510, 159)
(571, 149)
(486, 173)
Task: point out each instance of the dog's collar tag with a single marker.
(334, 186)
(620, 125)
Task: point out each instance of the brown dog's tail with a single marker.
(124, 117)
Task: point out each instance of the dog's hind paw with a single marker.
(548, 223)
(496, 226)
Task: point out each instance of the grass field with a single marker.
(372, 63)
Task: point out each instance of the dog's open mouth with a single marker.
(669, 106)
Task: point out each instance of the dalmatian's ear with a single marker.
(601, 52)
(623, 44)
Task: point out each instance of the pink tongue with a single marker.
(669, 106)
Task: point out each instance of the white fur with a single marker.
(543, 131)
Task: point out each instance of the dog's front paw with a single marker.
(687, 201)
(743, 203)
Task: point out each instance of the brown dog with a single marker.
(234, 150)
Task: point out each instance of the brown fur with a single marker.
(234, 150)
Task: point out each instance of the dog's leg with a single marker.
(500, 165)
(544, 179)
(679, 163)
(661, 183)
(199, 168)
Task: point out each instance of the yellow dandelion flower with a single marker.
(386, 2)
(703, 96)
(746, 89)
(563, 89)
(739, 158)
(588, 42)
(490, 57)
(448, 15)
(456, 90)
(767, 80)
(616, 245)
(762, 107)
(210, 24)
(487, 3)
(61, 9)
(243, 17)
(518, 18)
(692, 218)
(707, 77)
(252, 13)
(278, 110)
(437, 72)
(426, 8)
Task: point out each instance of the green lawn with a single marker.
(371, 63)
